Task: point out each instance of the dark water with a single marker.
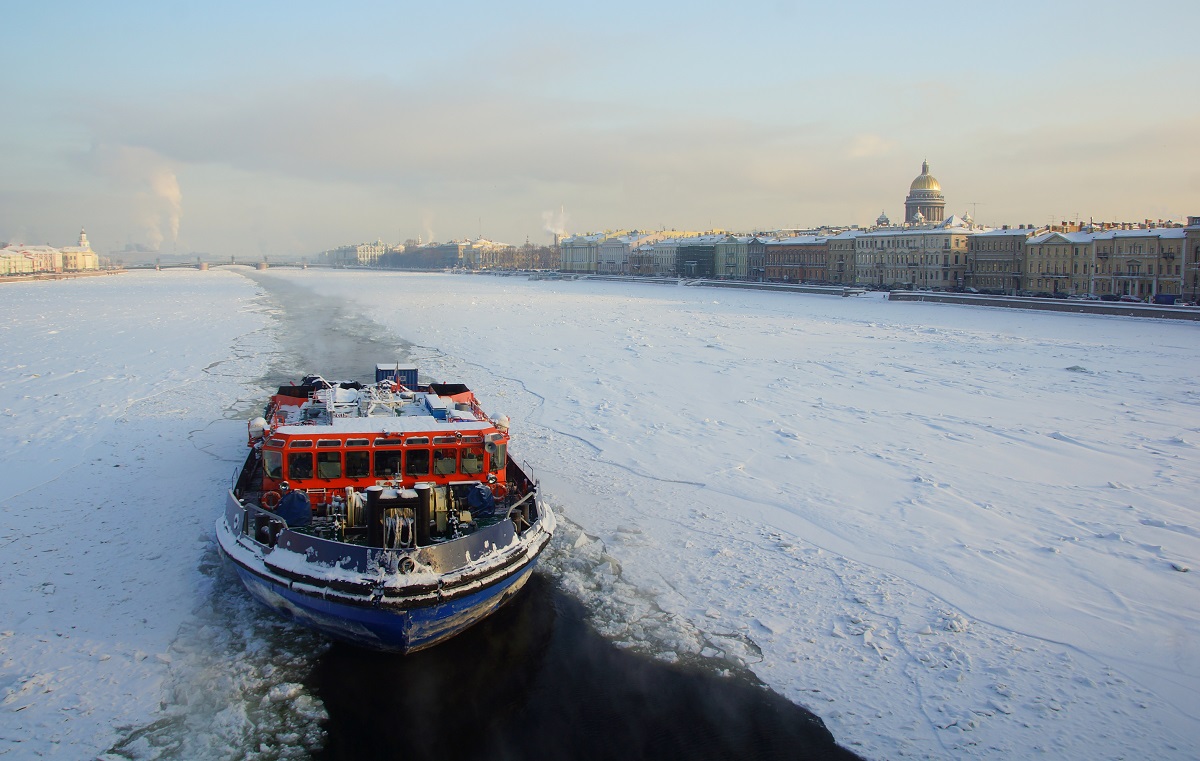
(534, 680)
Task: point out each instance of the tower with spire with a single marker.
(80, 257)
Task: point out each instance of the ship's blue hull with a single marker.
(380, 628)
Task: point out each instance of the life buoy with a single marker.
(270, 500)
(499, 490)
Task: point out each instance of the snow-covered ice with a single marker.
(949, 531)
(120, 398)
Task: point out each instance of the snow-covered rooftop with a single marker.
(799, 240)
(1009, 232)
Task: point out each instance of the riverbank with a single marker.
(1120, 309)
(35, 276)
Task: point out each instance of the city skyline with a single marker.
(288, 129)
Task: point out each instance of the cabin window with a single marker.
(417, 462)
(387, 463)
(329, 464)
(301, 444)
(472, 461)
(358, 463)
(499, 457)
(416, 441)
(300, 465)
(445, 461)
(326, 443)
(273, 464)
(358, 442)
(276, 443)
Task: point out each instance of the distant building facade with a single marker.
(919, 256)
(617, 253)
(41, 258)
(487, 254)
(803, 258)
(360, 255)
(1191, 274)
(841, 269)
(13, 261)
(732, 257)
(697, 256)
(654, 259)
(1141, 262)
(1058, 263)
(996, 259)
(580, 253)
(17, 259)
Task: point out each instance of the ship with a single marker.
(388, 514)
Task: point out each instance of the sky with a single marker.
(283, 129)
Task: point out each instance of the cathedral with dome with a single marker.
(925, 203)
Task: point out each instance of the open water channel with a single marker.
(534, 681)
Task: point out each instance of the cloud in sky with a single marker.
(868, 146)
(149, 181)
(289, 134)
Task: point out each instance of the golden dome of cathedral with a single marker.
(925, 181)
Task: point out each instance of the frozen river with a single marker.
(949, 531)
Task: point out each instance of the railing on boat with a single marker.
(271, 531)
